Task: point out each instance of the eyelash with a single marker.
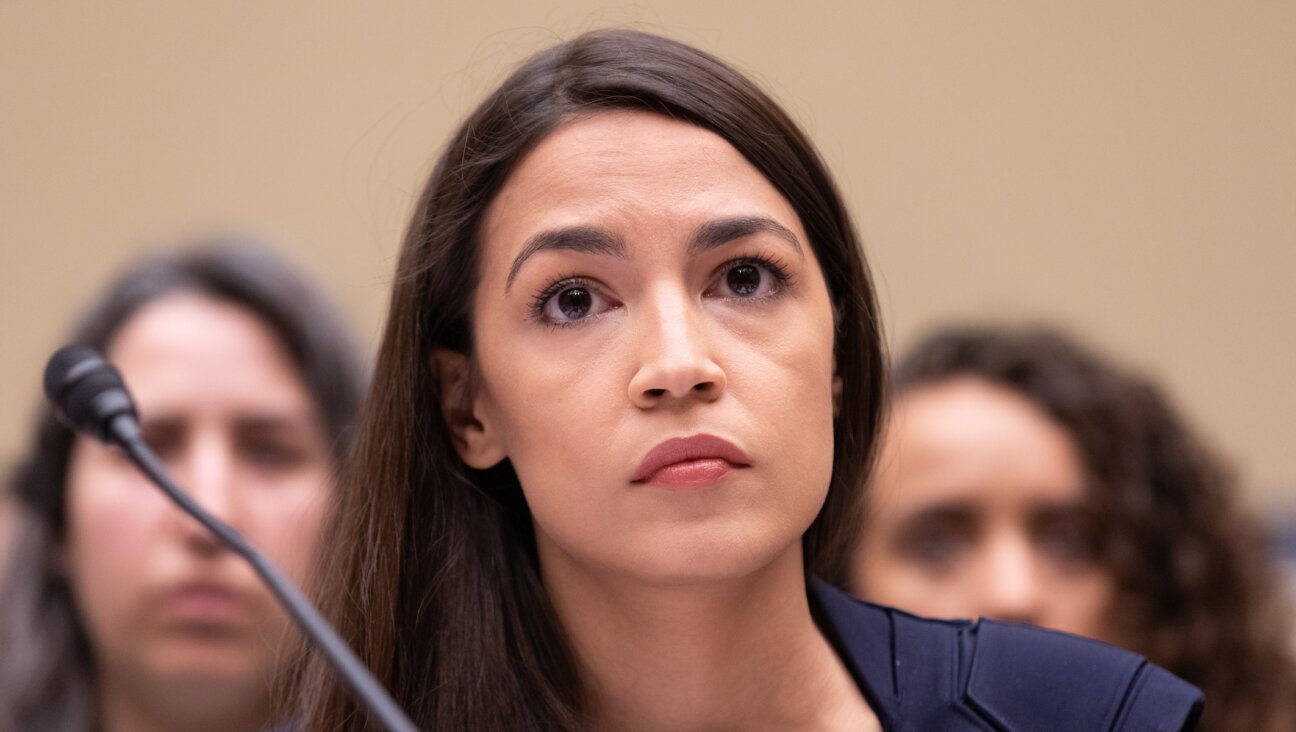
(555, 286)
(771, 262)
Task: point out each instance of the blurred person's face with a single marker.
(977, 508)
(641, 283)
(168, 612)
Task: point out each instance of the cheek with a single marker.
(882, 572)
(561, 437)
(114, 523)
(889, 580)
(283, 520)
(557, 401)
(907, 587)
(1084, 603)
(783, 378)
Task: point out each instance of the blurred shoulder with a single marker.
(987, 675)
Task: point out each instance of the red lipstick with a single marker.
(690, 462)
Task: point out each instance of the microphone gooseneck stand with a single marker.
(87, 393)
(356, 676)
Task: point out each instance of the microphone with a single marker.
(88, 393)
(89, 396)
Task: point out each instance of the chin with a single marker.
(214, 691)
(709, 557)
(189, 667)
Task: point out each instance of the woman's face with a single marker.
(978, 508)
(164, 606)
(653, 353)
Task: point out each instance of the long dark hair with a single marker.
(432, 572)
(46, 669)
(1196, 589)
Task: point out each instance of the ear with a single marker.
(471, 429)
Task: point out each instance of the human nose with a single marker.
(677, 361)
(1013, 588)
(207, 474)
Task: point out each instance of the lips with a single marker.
(205, 603)
(690, 462)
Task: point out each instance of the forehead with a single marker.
(187, 350)
(628, 168)
(971, 441)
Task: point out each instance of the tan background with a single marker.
(1127, 169)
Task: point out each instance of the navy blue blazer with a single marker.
(924, 675)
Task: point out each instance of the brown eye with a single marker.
(748, 278)
(937, 547)
(744, 280)
(936, 539)
(575, 303)
(1068, 536)
(166, 438)
(1068, 543)
(271, 455)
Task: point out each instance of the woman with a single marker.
(625, 397)
(120, 613)
(1024, 478)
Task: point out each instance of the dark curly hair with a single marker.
(1197, 591)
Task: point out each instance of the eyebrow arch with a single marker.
(722, 231)
(940, 511)
(275, 423)
(591, 240)
(584, 239)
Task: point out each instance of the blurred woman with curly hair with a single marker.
(1024, 478)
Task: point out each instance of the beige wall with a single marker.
(1128, 169)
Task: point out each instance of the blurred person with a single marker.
(119, 612)
(6, 527)
(1024, 478)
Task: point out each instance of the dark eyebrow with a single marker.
(276, 422)
(590, 240)
(722, 231)
(585, 239)
(941, 512)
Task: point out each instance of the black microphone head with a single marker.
(86, 391)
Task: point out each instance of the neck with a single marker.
(165, 707)
(742, 653)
